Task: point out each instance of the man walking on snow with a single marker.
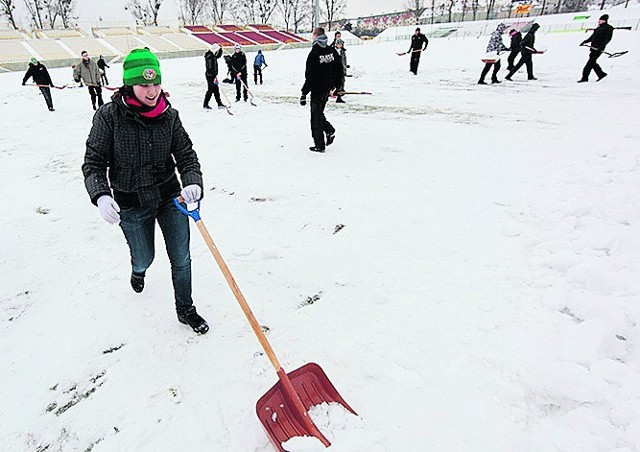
(418, 40)
(41, 77)
(88, 71)
(322, 74)
(211, 74)
(527, 49)
(599, 40)
(239, 71)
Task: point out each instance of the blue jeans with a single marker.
(138, 225)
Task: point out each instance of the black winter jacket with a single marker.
(600, 36)
(529, 41)
(323, 70)
(418, 41)
(211, 63)
(516, 40)
(238, 64)
(39, 73)
(140, 156)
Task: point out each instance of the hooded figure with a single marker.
(527, 48)
(495, 46)
(516, 40)
(211, 75)
(41, 77)
(322, 74)
(238, 65)
(135, 151)
(258, 62)
(598, 42)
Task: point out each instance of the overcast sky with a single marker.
(113, 10)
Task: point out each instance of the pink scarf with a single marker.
(145, 111)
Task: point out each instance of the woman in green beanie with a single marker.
(136, 143)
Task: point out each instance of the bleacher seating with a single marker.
(237, 38)
(157, 30)
(197, 29)
(12, 50)
(91, 45)
(261, 27)
(116, 31)
(292, 36)
(50, 49)
(11, 34)
(257, 37)
(214, 38)
(228, 28)
(158, 44)
(279, 36)
(124, 44)
(61, 33)
(186, 41)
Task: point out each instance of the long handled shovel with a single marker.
(610, 55)
(251, 96)
(228, 106)
(282, 410)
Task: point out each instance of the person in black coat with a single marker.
(322, 75)
(418, 40)
(102, 65)
(599, 40)
(238, 66)
(527, 48)
(41, 77)
(211, 74)
(516, 40)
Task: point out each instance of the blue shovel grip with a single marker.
(195, 213)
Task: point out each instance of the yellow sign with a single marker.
(524, 9)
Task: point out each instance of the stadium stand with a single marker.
(279, 36)
(159, 30)
(261, 27)
(62, 33)
(12, 50)
(105, 32)
(158, 43)
(13, 34)
(125, 44)
(197, 29)
(228, 28)
(237, 38)
(91, 45)
(185, 41)
(258, 37)
(50, 49)
(214, 38)
(292, 36)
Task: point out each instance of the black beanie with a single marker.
(604, 17)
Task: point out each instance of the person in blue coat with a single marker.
(258, 62)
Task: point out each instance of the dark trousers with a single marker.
(592, 64)
(319, 124)
(96, 92)
(415, 61)
(239, 84)
(103, 77)
(527, 60)
(257, 72)
(511, 58)
(212, 89)
(46, 92)
(487, 68)
(138, 225)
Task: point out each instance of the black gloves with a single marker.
(303, 100)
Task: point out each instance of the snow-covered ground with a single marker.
(481, 296)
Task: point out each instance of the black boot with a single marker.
(137, 282)
(330, 138)
(192, 318)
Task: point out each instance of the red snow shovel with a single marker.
(283, 408)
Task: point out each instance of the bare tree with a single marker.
(417, 8)
(254, 11)
(51, 12)
(490, 5)
(285, 8)
(333, 10)
(6, 9)
(191, 11)
(452, 3)
(464, 9)
(301, 13)
(67, 12)
(474, 8)
(144, 10)
(36, 10)
(217, 9)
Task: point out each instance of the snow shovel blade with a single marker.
(277, 410)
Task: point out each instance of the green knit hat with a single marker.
(141, 67)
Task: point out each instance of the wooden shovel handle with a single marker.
(236, 291)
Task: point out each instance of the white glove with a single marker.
(191, 193)
(109, 209)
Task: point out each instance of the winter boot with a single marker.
(603, 76)
(192, 318)
(206, 107)
(481, 82)
(137, 282)
(330, 138)
(316, 149)
(340, 100)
